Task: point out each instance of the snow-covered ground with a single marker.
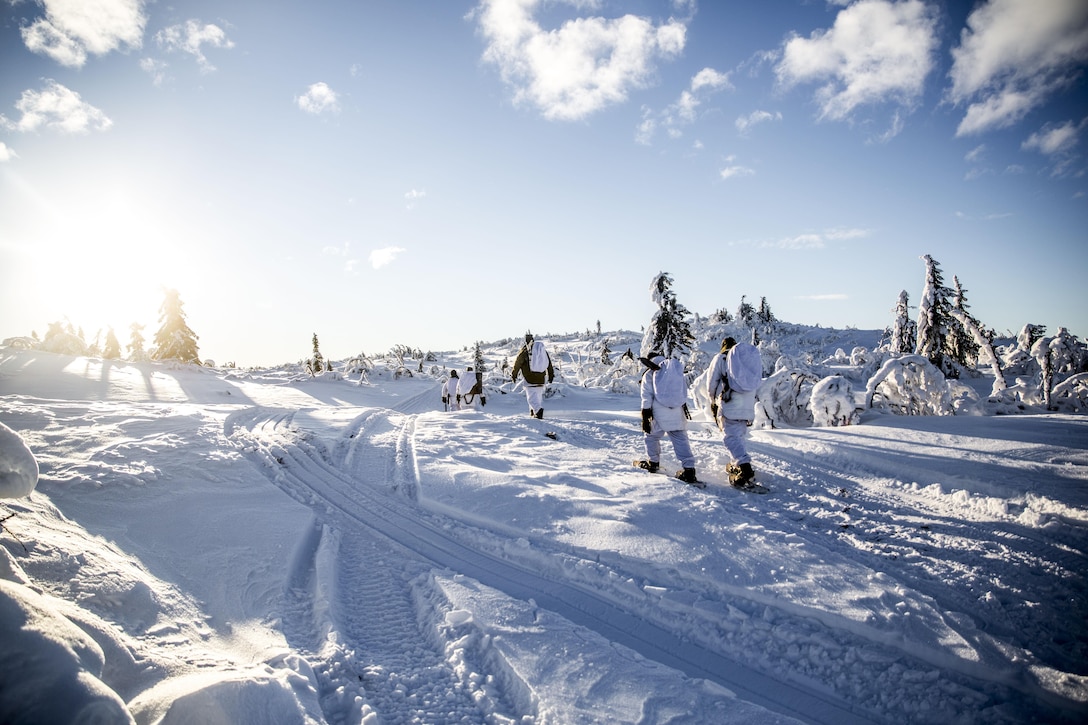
(228, 546)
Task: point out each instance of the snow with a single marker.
(263, 546)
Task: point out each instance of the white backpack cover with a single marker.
(744, 365)
(670, 388)
(538, 359)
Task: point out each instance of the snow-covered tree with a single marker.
(606, 353)
(720, 317)
(832, 403)
(174, 340)
(961, 342)
(933, 317)
(903, 333)
(316, 363)
(1029, 335)
(478, 358)
(910, 385)
(135, 346)
(112, 349)
(669, 330)
(63, 340)
(745, 311)
(764, 314)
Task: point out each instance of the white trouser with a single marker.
(534, 394)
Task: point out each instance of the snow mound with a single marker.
(18, 467)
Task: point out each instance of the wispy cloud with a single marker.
(744, 123)
(816, 240)
(1055, 139)
(579, 68)
(191, 37)
(829, 297)
(734, 171)
(58, 108)
(381, 257)
(684, 110)
(155, 68)
(412, 197)
(319, 98)
(1013, 56)
(71, 30)
(876, 52)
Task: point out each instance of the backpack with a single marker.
(538, 360)
(744, 365)
(670, 387)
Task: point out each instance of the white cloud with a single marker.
(154, 68)
(710, 78)
(190, 37)
(586, 64)
(7, 153)
(684, 110)
(817, 240)
(73, 28)
(59, 108)
(381, 257)
(754, 118)
(412, 197)
(319, 98)
(731, 172)
(878, 51)
(830, 297)
(1054, 139)
(1013, 56)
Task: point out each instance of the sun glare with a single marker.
(105, 262)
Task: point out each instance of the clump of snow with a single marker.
(18, 467)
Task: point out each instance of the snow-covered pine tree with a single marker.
(112, 350)
(174, 340)
(933, 317)
(316, 363)
(961, 343)
(478, 358)
(764, 314)
(669, 331)
(1029, 335)
(903, 334)
(745, 311)
(136, 352)
(719, 317)
(606, 353)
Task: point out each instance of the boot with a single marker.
(650, 466)
(539, 413)
(687, 475)
(745, 475)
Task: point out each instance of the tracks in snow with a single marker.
(363, 485)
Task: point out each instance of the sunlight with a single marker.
(104, 262)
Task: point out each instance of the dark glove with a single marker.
(458, 397)
(687, 413)
(647, 420)
(714, 410)
(445, 399)
(483, 401)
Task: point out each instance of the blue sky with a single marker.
(436, 173)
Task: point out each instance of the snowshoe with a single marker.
(744, 478)
(650, 466)
(687, 475)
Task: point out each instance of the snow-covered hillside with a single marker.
(263, 546)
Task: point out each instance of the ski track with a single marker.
(931, 547)
(364, 489)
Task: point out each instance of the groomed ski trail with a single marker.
(363, 485)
